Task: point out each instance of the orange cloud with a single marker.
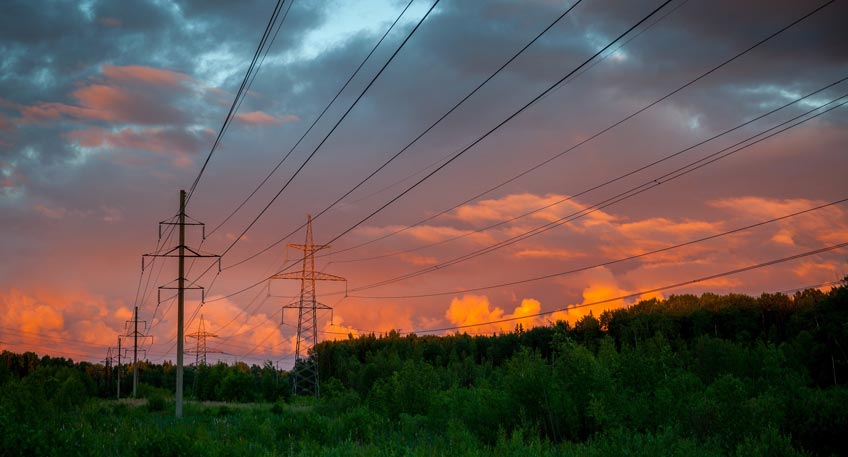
(602, 288)
(5, 124)
(149, 75)
(163, 140)
(337, 330)
(261, 118)
(130, 94)
(555, 207)
(542, 253)
(475, 309)
(415, 259)
(67, 323)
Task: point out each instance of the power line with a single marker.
(239, 94)
(314, 151)
(643, 292)
(317, 119)
(478, 140)
(594, 136)
(612, 262)
(422, 134)
(577, 75)
(591, 189)
(632, 192)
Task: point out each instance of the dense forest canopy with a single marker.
(688, 375)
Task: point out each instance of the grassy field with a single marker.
(108, 427)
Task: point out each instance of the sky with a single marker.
(108, 109)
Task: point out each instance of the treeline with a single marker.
(733, 373)
(690, 375)
(238, 382)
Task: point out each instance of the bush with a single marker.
(156, 402)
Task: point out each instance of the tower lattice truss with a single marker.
(200, 349)
(305, 372)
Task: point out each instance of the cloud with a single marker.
(51, 213)
(58, 322)
(172, 141)
(603, 287)
(109, 21)
(542, 253)
(6, 125)
(551, 207)
(109, 104)
(148, 75)
(261, 118)
(470, 309)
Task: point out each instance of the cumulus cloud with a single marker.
(600, 294)
(58, 322)
(470, 309)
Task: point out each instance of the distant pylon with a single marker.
(107, 367)
(305, 371)
(135, 334)
(200, 349)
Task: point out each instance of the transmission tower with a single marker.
(305, 371)
(181, 251)
(135, 335)
(107, 368)
(200, 349)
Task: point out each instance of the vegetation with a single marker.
(702, 376)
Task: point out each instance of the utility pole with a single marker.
(305, 370)
(180, 253)
(135, 334)
(119, 367)
(200, 349)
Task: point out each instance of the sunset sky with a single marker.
(108, 109)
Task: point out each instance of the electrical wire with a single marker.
(593, 188)
(420, 135)
(595, 135)
(481, 138)
(619, 260)
(644, 292)
(314, 122)
(632, 192)
(240, 93)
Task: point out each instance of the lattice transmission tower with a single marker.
(200, 349)
(305, 371)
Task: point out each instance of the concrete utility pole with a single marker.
(305, 371)
(181, 306)
(180, 253)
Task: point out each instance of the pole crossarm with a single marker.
(309, 276)
(170, 253)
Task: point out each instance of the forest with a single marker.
(689, 375)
